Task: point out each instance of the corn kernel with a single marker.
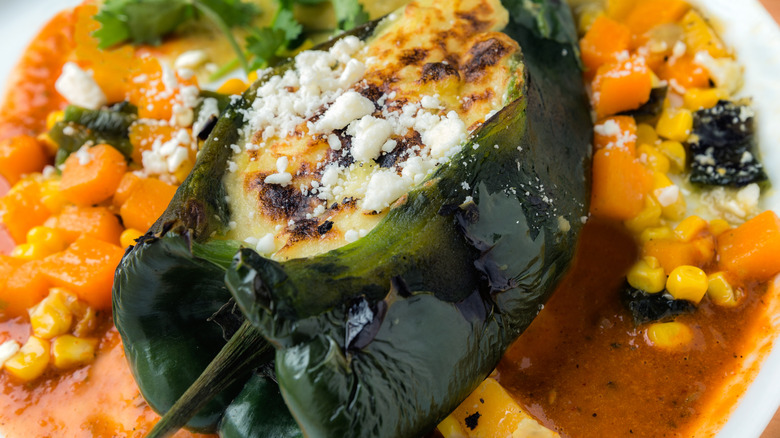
(28, 251)
(50, 145)
(719, 226)
(645, 134)
(51, 317)
(184, 170)
(650, 216)
(619, 9)
(647, 275)
(69, 351)
(52, 197)
(687, 283)
(450, 428)
(128, 236)
(54, 117)
(232, 86)
(690, 228)
(675, 124)
(675, 152)
(696, 98)
(720, 290)
(31, 360)
(587, 15)
(669, 334)
(655, 233)
(87, 322)
(48, 238)
(653, 158)
(669, 197)
(252, 76)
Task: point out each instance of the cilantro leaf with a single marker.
(286, 22)
(349, 13)
(140, 21)
(264, 44)
(235, 13)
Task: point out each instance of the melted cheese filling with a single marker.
(329, 145)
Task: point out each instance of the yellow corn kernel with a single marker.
(52, 197)
(184, 169)
(653, 158)
(51, 146)
(252, 76)
(69, 351)
(619, 9)
(51, 317)
(675, 152)
(647, 275)
(720, 290)
(645, 134)
(719, 226)
(48, 238)
(670, 198)
(87, 322)
(650, 216)
(655, 233)
(687, 283)
(669, 334)
(689, 228)
(31, 360)
(675, 124)
(28, 251)
(451, 428)
(697, 98)
(54, 117)
(128, 236)
(232, 86)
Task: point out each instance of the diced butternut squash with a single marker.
(127, 185)
(648, 14)
(752, 250)
(7, 266)
(603, 43)
(94, 181)
(20, 155)
(672, 253)
(146, 203)
(619, 9)
(143, 136)
(25, 287)
(621, 86)
(620, 184)
(153, 96)
(22, 208)
(87, 269)
(684, 73)
(97, 222)
(616, 132)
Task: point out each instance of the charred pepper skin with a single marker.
(385, 336)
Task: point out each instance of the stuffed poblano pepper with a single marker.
(367, 229)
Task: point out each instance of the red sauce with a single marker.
(583, 369)
(31, 94)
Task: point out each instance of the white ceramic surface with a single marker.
(746, 27)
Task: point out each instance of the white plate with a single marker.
(746, 27)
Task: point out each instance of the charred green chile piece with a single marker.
(646, 307)
(724, 152)
(81, 126)
(385, 336)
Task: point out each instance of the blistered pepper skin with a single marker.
(385, 336)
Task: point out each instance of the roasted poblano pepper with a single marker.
(386, 335)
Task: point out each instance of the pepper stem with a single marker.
(236, 358)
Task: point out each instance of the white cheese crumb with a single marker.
(667, 196)
(282, 163)
(369, 134)
(563, 224)
(346, 108)
(334, 142)
(83, 155)
(266, 244)
(79, 88)
(7, 350)
(445, 135)
(281, 178)
(351, 236)
(430, 102)
(191, 59)
(384, 187)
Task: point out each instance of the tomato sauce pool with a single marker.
(583, 369)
